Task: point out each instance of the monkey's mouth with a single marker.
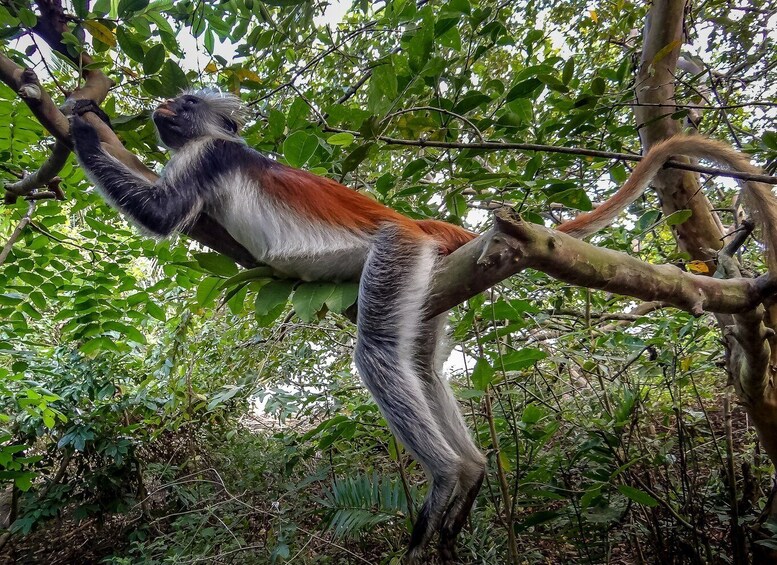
(164, 112)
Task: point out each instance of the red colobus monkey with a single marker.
(314, 228)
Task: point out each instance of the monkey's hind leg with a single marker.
(392, 294)
(431, 354)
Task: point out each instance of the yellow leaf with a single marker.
(211, 68)
(506, 464)
(100, 32)
(594, 16)
(665, 50)
(698, 267)
(685, 363)
(246, 74)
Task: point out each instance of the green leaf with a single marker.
(522, 358)
(769, 139)
(208, 290)
(510, 309)
(106, 392)
(677, 218)
(102, 343)
(299, 147)
(471, 101)
(573, 198)
(173, 78)
(129, 7)
(27, 16)
(482, 374)
(638, 496)
(355, 157)
(524, 89)
(226, 393)
(536, 519)
(23, 481)
(298, 113)
(276, 122)
(133, 49)
(256, 273)
(154, 59)
(598, 86)
(569, 70)
(209, 41)
(531, 414)
(343, 139)
(81, 8)
(273, 294)
(382, 89)
(647, 219)
(309, 299)
(217, 264)
(343, 295)
(154, 88)
(155, 311)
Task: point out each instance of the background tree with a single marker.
(125, 363)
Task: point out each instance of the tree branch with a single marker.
(17, 232)
(579, 151)
(514, 245)
(42, 177)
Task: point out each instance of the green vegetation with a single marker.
(160, 404)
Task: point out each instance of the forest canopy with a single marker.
(175, 401)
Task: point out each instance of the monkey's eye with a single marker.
(191, 101)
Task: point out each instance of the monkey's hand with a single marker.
(85, 138)
(82, 107)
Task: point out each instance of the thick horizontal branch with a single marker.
(514, 245)
(581, 151)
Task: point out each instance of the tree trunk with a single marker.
(746, 336)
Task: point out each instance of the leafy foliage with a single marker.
(362, 502)
(198, 411)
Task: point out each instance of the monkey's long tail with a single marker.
(760, 200)
(392, 296)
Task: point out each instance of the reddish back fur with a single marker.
(328, 201)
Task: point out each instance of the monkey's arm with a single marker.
(161, 207)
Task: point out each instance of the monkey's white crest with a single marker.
(224, 104)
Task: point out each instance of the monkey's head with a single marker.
(194, 115)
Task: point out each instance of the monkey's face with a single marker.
(188, 117)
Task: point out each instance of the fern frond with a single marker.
(363, 501)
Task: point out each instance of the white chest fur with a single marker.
(276, 235)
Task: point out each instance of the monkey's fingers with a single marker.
(84, 106)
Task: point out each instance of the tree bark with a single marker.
(747, 337)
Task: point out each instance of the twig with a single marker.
(435, 109)
(509, 146)
(43, 176)
(17, 232)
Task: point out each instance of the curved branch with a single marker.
(42, 177)
(17, 232)
(514, 245)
